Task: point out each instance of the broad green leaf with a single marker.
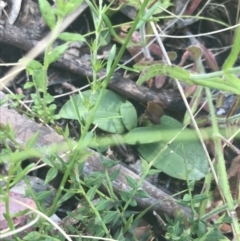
(181, 158)
(235, 50)
(56, 53)
(68, 37)
(129, 115)
(47, 13)
(108, 116)
(109, 120)
(143, 135)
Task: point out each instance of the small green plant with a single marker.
(225, 80)
(99, 213)
(43, 102)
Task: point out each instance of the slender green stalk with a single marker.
(46, 62)
(204, 76)
(80, 147)
(221, 167)
(94, 210)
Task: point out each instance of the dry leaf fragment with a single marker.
(154, 112)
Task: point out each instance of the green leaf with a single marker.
(108, 117)
(125, 196)
(109, 216)
(143, 135)
(181, 158)
(153, 172)
(164, 4)
(111, 58)
(38, 79)
(28, 85)
(91, 192)
(133, 203)
(129, 115)
(198, 198)
(32, 236)
(94, 179)
(142, 194)
(70, 6)
(43, 195)
(107, 163)
(103, 205)
(23, 173)
(51, 174)
(113, 176)
(131, 181)
(56, 53)
(128, 224)
(47, 13)
(69, 37)
(32, 140)
(67, 195)
(30, 64)
(144, 165)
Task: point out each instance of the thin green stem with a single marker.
(80, 146)
(221, 167)
(46, 65)
(235, 70)
(94, 210)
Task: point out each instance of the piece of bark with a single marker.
(25, 128)
(81, 65)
